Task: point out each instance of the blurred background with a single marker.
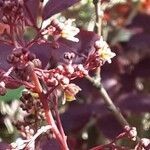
(87, 122)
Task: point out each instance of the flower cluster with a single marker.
(144, 144)
(66, 30)
(20, 58)
(61, 77)
(131, 132)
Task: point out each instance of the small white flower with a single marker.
(104, 50)
(70, 31)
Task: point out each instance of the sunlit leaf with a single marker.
(12, 94)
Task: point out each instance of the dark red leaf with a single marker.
(85, 44)
(109, 126)
(55, 6)
(142, 68)
(31, 11)
(86, 41)
(42, 51)
(4, 51)
(83, 47)
(139, 43)
(141, 20)
(4, 146)
(134, 103)
(75, 117)
(46, 143)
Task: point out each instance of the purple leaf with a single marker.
(4, 51)
(142, 21)
(134, 103)
(83, 47)
(142, 68)
(4, 146)
(46, 143)
(31, 11)
(109, 126)
(46, 51)
(75, 117)
(42, 51)
(86, 41)
(55, 6)
(139, 42)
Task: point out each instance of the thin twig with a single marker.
(60, 125)
(6, 42)
(96, 81)
(98, 28)
(98, 13)
(109, 102)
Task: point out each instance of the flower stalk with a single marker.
(48, 113)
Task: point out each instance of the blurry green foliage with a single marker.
(12, 94)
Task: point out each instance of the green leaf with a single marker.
(12, 94)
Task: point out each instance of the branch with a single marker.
(116, 112)
(98, 28)
(96, 82)
(99, 14)
(48, 113)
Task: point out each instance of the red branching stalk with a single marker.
(112, 144)
(59, 121)
(6, 42)
(48, 114)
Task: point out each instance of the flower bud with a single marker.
(69, 55)
(69, 68)
(3, 90)
(132, 132)
(10, 58)
(37, 63)
(17, 52)
(52, 82)
(145, 142)
(24, 51)
(65, 80)
(60, 68)
(31, 56)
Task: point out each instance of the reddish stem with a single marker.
(48, 114)
(50, 121)
(59, 121)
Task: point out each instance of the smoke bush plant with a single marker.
(46, 66)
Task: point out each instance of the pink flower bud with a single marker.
(69, 69)
(145, 142)
(65, 80)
